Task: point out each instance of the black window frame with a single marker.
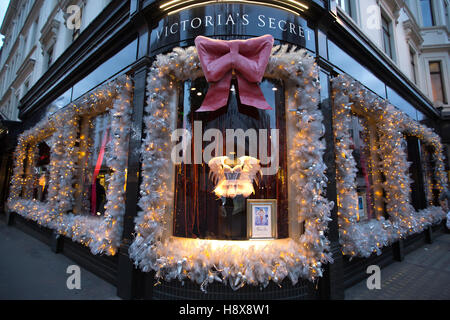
(387, 35)
(412, 54)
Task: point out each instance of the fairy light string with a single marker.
(101, 234)
(244, 262)
(363, 238)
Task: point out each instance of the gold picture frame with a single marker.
(261, 219)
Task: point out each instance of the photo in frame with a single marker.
(261, 219)
(362, 206)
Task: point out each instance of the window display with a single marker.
(211, 196)
(363, 146)
(41, 171)
(382, 142)
(80, 172)
(95, 174)
(430, 182)
(178, 234)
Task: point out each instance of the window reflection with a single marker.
(199, 213)
(427, 13)
(401, 103)
(115, 64)
(353, 68)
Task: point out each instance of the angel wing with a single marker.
(216, 172)
(250, 168)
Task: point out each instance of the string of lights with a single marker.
(363, 238)
(101, 234)
(236, 263)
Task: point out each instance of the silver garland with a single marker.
(363, 238)
(230, 262)
(102, 235)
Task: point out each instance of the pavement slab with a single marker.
(424, 274)
(29, 270)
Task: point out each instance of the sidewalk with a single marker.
(30, 270)
(423, 275)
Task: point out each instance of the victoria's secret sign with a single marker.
(231, 19)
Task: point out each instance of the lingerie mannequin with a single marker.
(234, 182)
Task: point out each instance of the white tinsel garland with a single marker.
(366, 237)
(231, 262)
(102, 235)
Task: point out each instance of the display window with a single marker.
(223, 149)
(377, 202)
(70, 173)
(94, 174)
(211, 198)
(363, 143)
(42, 171)
(428, 170)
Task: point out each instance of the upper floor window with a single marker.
(346, 5)
(34, 32)
(26, 86)
(412, 55)
(427, 13)
(447, 21)
(387, 36)
(437, 82)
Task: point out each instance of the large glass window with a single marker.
(349, 65)
(428, 169)
(427, 13)
(387, 37)
(437, 82)
(346, 5)
(94, 173)
(107, 69)
(41, 171)
(412, 147)
(364, 146)
(205, 208)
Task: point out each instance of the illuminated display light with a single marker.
(102, 235)
(291, 6)
(364, 238)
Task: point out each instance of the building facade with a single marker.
(88, 88)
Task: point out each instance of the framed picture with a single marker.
(261, 219)
(362, 206)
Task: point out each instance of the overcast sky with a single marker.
(3, 7)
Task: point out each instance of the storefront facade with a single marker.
(144, 184)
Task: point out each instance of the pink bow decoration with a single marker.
(246, 59)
